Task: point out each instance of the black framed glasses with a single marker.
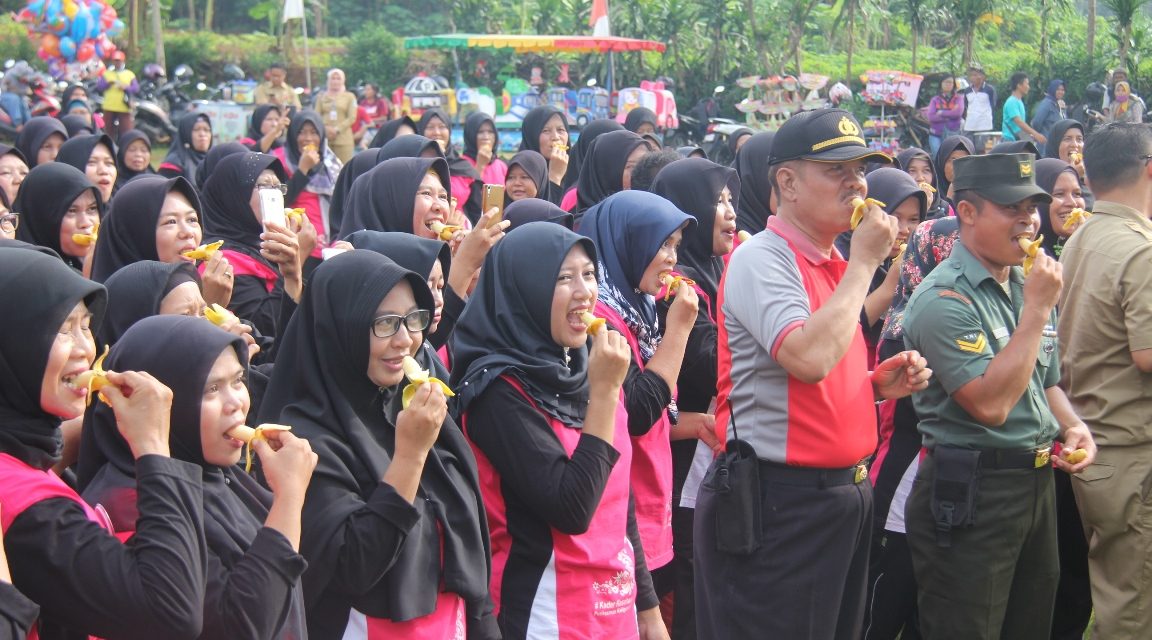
(387, 326)
(9, 222)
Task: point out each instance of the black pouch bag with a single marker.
(954, 491)
(735, 479)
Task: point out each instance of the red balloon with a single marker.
(85, 51)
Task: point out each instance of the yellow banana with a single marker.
(295, 215)
(86, 239)
(743, 236)
(416, 377)
(1031, 250)
(204, 251)
(592, 322)
(1075, 457)
(218, 315)
(924, 186)
(1075, 158)
(860, 206)
(672, 284)
(248, 435)
(94, 379)
(1075, 217)
(444, 231)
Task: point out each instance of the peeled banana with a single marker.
(416, 377)
(592, 322)
(1075, 217)
(672, 284)
(248, 435)
(94, 379)
(860, 206)
(1075, 457)
(87, 239)
(743, 236)
(444, 231)
(204, 251)
(1031, 250)
(295, 215)
(218, 315)
(924, 186)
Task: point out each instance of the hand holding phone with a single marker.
(493, 199)
(272, 208)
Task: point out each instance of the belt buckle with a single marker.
(861, 473)
(1043, 455)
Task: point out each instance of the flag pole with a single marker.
(307, 58)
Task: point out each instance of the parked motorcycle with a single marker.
(162, 102)
(697, 123)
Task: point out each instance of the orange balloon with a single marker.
(51, 43)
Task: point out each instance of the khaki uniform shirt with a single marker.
(1105, 314)
(285, 94)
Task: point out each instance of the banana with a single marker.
(94, 379)
(1075, 457)
(1075, 158)
(559, 146)
(248, 435)
(924, 186)
(204, 251)
(743, 236)
(672, 284)
(1031, 250)
(296, 215)
(860, 206)
(218, 315)
(87, 239)
(309, 147)
(1075, 217)
(444, 231)
(592, 322)
(416, 377)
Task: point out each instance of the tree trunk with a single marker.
(192, 15)
(969, 34)
(1091, 44)
(761, 49)
(1045, 11)
(209, 13)
(134, 27)
(915, 47)
(1125, 38)
(851, 39)
(158, 34)
(320, 10)
(799, 16)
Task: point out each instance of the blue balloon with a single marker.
(68, 48)
(116, 29)
(80, 26)
(35, 6)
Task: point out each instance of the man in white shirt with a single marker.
(979, 103)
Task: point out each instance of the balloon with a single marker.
(68, 48)
(50, 43)
(116, 29)
(35, 6)
(26, 15)
(85, 51)
(58, 24)
(70, 9)
(44, 55)
(80, 26)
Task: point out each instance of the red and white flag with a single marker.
(599, 19)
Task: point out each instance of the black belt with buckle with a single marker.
(814, 477)
(1016, 458)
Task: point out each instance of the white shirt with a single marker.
(979, 116)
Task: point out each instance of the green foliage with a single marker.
(374, 55)
(15, 43)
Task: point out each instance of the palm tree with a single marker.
(967, 14)
(917, 13)
(1124, 12)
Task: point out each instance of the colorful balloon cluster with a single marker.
(72, 30)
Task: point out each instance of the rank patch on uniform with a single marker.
(972, 342)
(1025, 168)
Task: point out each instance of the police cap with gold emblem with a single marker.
(1003, 178)
(822, 135)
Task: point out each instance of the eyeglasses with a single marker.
(9, 222)
(1145, 158)
(387, 326)
(282, 188)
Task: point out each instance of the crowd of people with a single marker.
(821, 393)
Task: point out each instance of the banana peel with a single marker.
(87, 239)
(416, 377)
(672, 284)
(860, 205)
(443, 231)
(1076, 217)
(1031, 250)
(218, 315)
(1075, 457)
(204, 251)
(743, 236)
(248, 435)
(592, 323)
(94, 379)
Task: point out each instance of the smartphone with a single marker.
(493, 197)
(272, 208)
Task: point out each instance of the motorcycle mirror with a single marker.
(200, 86)
(9, 63)
(718, 89)
(299, 91)
(183, 71)
(591, 82)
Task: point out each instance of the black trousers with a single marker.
(807, 579)
(891, 610)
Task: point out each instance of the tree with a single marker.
(916, 11)
(967, 14)
(1124, 13)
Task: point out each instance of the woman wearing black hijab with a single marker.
(398, 128)
(951, 148)
(189, 145)
(142, 290)
(918, 163)
(527, 177)
(77, 125)
(213, 158)
(360, 164)
(40, 140)
(266, 263)
(1017, 146)
(95, 155)
(312, 169)
(527, 210)
(133, 156)
(265, 128)
(394, 528)
(435, 124)
(55, 202)
(607, 169)
(1066, 143)
(641, 120)
(588, 135)
(755, 203)
(543, 412)
(413, 146)
(736, 140)
(252, 535)
(481, 146)
(13, 170)
(61, 552)
(1061, 182)
(545, 131)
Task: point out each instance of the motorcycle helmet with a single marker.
(233, 72)
(153, 72)
(184, 72)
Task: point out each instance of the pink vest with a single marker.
(310, 203)
(22, 486)
(651, 469)
(588, 590)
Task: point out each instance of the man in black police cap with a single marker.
(981, 517)
(784, 517)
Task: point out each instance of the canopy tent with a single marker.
(534, 44)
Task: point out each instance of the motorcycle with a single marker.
(161, 102)
(698, 123)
